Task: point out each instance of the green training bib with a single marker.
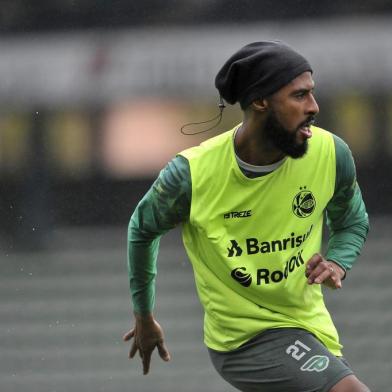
(249, 239)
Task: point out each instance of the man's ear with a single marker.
(260, 105)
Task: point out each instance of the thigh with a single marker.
(287, 359)
(350, 383)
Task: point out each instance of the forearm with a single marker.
(348, 228)
(347, 219)
(165, 205)
(345, 245)
(142, 256)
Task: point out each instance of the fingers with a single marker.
(163, 351)
(337, 282)
(147, 335)
(319, 276)
(146, 359)
(146, 356)
(130, 334)
(323, 272)
(312, 263)
(133, 350)
(334, 280)
(320, 272)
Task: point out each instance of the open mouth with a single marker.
(305, 130)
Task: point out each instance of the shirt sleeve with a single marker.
(164, 206)
(347, 219)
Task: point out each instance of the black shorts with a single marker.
(281, 360)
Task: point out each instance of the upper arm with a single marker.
(346, 179)
(167, 203)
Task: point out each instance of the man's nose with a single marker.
(313, 106)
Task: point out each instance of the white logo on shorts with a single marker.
(317, 363)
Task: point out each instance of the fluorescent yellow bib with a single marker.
(249, 240)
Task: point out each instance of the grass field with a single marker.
(63, 312)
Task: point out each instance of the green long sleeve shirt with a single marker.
(168, 201)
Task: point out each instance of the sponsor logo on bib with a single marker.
(241, 277)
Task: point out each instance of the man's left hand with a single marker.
(319, 270)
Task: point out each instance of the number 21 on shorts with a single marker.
(297, 350)
(316, 363)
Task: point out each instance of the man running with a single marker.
(251, 202)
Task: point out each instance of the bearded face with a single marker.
(290, 142)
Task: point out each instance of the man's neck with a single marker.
(252, 146)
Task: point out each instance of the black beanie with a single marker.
(258, 70)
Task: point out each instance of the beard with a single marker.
(285, 140)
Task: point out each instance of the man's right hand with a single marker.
(147, 334)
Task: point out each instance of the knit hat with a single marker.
(258, 70)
